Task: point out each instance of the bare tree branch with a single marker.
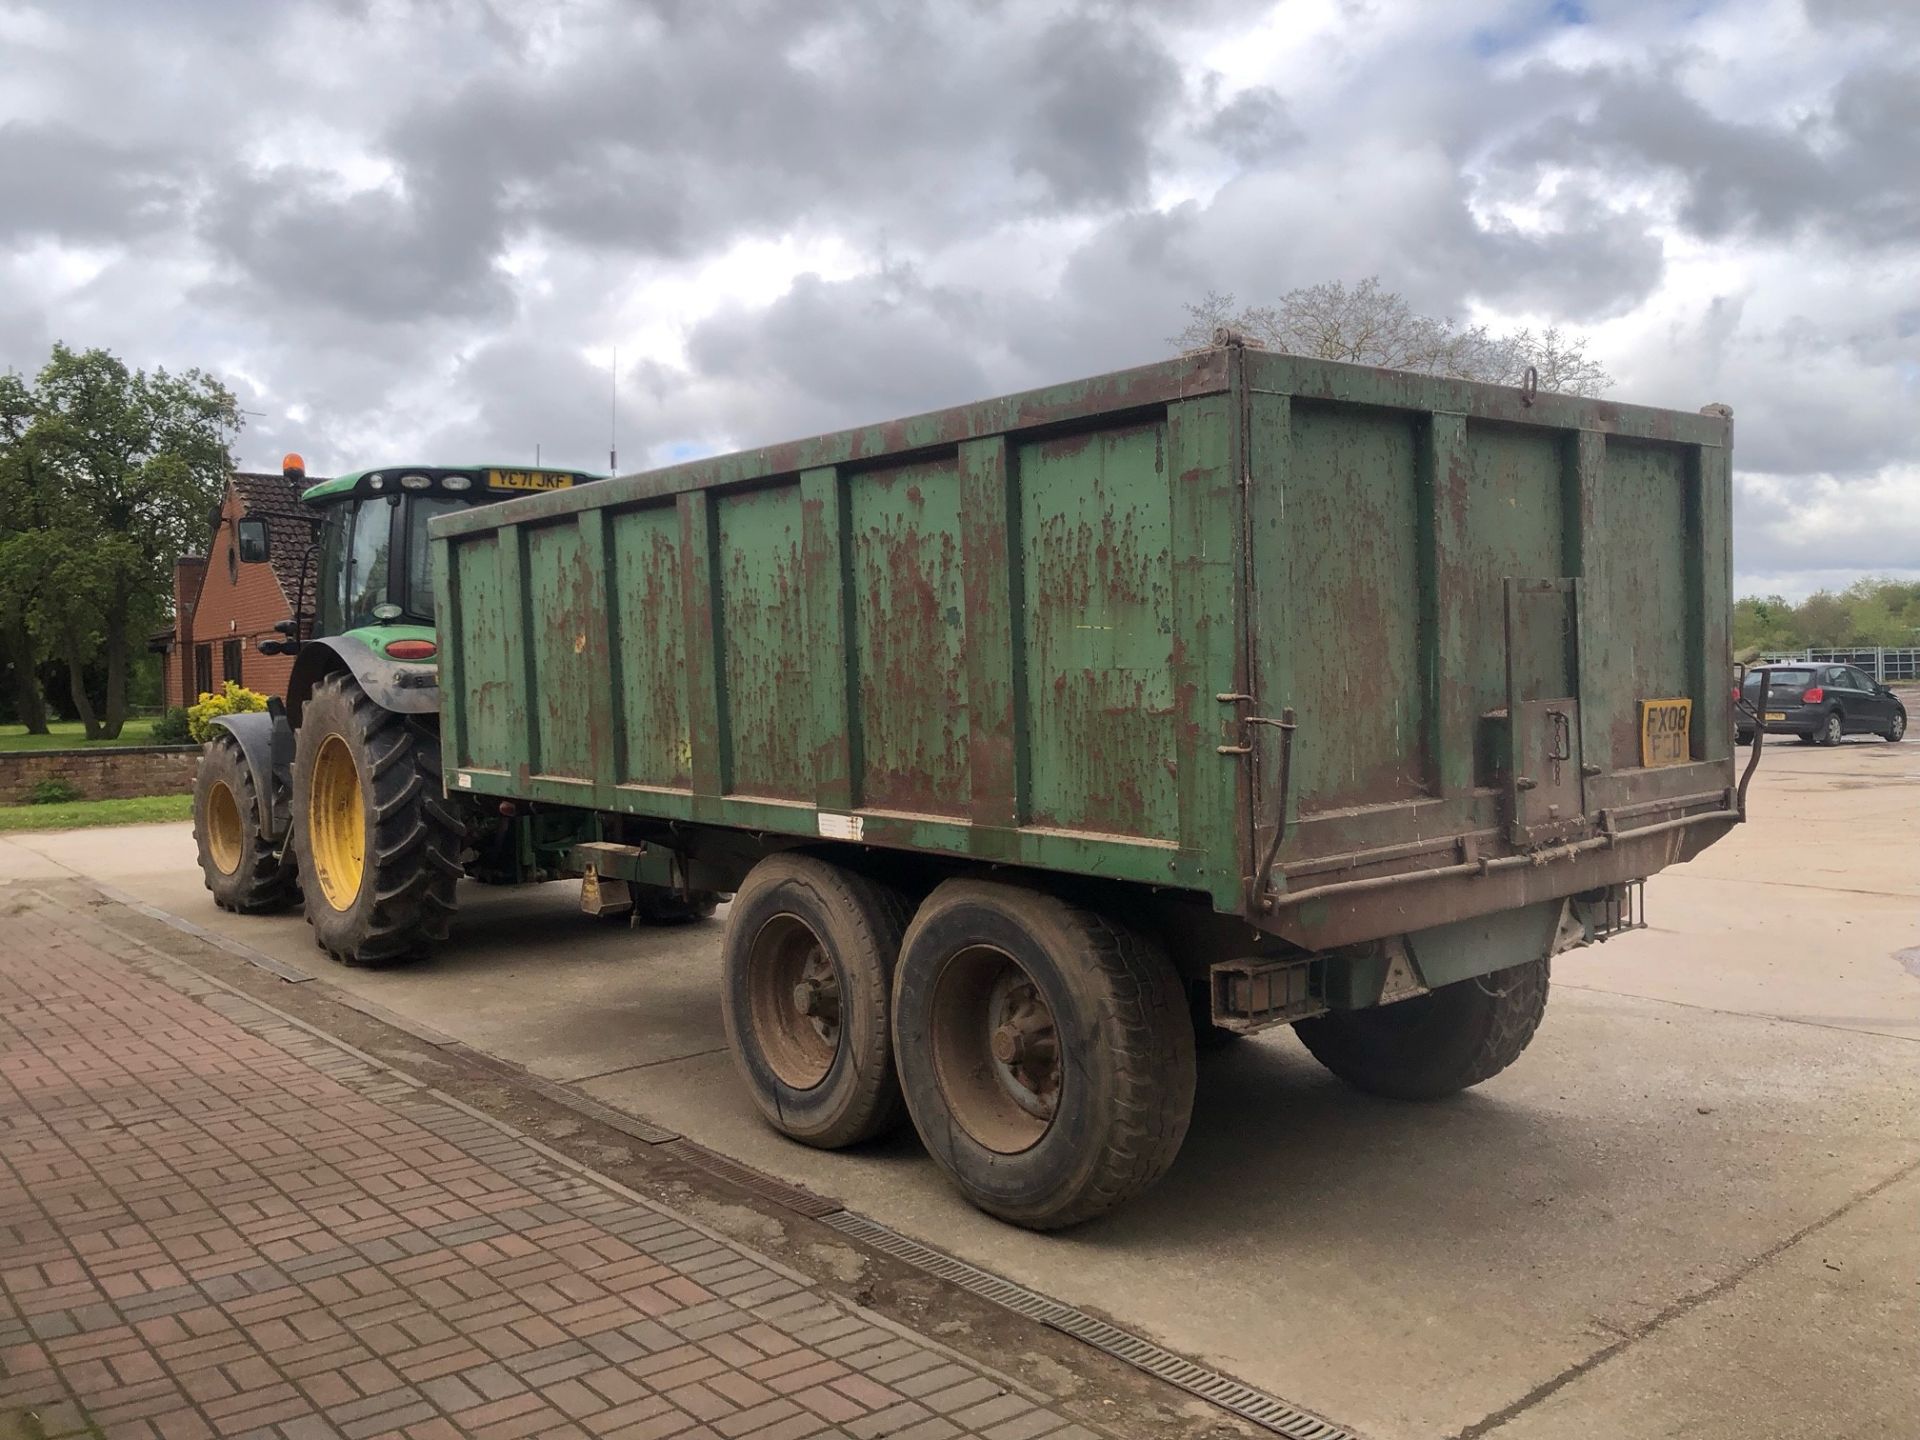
(1369, 325)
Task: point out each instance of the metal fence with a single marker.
(1886, 663)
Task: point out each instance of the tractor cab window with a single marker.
(420, 509)
(333, 570)
(355, 541)
(361, 544)
(367, 577)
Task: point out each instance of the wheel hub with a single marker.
(817, 993)
(1024, 1044)
(794, 998)
(224, 835)
(336, 823)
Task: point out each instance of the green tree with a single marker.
(19, 560)
(113, 472)
(1873, 610)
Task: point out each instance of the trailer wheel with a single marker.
(242, 869)
(807, 964)
(378, 845)
(1046, 1052)
(1435, 1044)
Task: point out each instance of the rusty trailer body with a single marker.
(1348, 680)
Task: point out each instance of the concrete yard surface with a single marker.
(1691, 1209)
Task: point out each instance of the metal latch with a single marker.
(1286, 725)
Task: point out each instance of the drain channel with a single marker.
(1267, 1411)
(793, 1197)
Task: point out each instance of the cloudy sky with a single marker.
(426, 229)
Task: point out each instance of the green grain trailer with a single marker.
(1039, 735)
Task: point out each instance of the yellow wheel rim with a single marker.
(224, 835)
(336, 823)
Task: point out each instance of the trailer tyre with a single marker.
(1045, 1051)
(1435, 1044)
(807, 970)
(242, 869)
(378, 844)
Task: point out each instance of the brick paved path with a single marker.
(214, 1222)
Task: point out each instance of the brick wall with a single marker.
(102, 773)
(237, 601)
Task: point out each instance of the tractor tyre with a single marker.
(246, 874)
(378, 844)
(1434, 1044)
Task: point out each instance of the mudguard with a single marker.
(397, 685)
(266, 739)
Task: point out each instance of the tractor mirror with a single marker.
(253, 540)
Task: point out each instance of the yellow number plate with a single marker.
(527, 480)
(1665, 727)
(1776, 714)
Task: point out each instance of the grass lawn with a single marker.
(72, 735)
(144, 810)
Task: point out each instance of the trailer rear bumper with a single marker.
(1458, 883)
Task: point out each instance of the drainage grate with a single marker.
(807, 1203)
(1268, 1411)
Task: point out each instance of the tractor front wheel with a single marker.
(242, 867)
(378, 845)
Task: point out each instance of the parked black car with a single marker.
(1820, 704)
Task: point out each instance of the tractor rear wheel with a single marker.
(378, 845)
(243, 869)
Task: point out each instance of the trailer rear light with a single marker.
(1813, 696)
(411, 649)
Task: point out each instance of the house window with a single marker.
(230, 660)
(202, 670)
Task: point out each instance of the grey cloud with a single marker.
(1847, 172)
(912, 120)
(1254, 127)
(62, 182)
(669, 138)
(1100, 86)
(372, 254)
(1891, 15)
(835, 353)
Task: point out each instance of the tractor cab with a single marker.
(372, 582)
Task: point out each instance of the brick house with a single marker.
(224, 605)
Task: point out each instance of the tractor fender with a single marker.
(396, 685)
(266, 740)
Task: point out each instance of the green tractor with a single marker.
(333, 797)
